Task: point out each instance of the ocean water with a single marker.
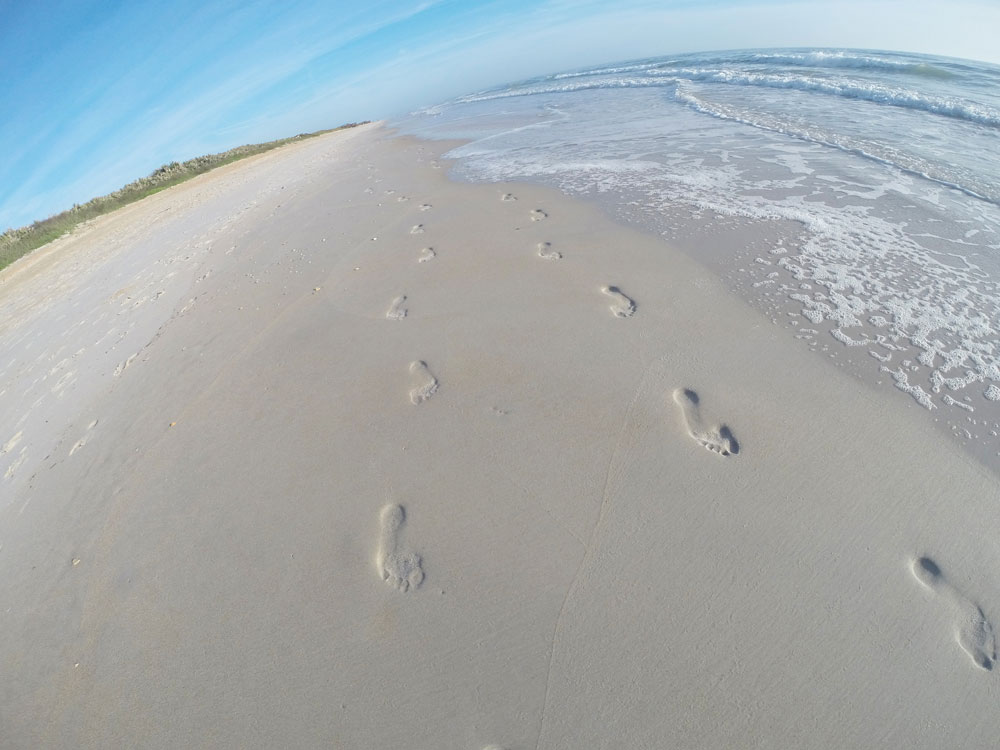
(866, 185)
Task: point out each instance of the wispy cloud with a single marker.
(127, 128)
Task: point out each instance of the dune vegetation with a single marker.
(15, 243)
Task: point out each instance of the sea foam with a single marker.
(880, 171)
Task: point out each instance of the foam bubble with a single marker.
(888, 255)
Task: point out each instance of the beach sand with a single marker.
(322, 449)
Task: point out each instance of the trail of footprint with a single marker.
(508, 197)
(426, 206)
(396, 310)
(397, 567)
(623, 306)
(545, 251)
(402, 199)
(426, 254)
(427, 384)
(716, 439)
(417, 229)
(974, 632)
(538, 214)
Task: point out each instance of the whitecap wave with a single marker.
(847, 88)
(953, 107)
(880, 152)
(847, 59)
(611, 71)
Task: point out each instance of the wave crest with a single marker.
(845, 59)
(847, 88)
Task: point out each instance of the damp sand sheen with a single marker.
(459, 504)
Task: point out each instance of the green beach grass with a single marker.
(15, 243)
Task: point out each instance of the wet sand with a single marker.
(324, 449)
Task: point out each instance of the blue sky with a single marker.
(99, 92)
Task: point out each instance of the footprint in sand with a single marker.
(545, 251)
(427, 384)
(82, 441)
(396, 310)
(508, 197)
(973, 631)
(124, 365)
(623, 307)
(417, 229)
(538, 214)
(399, 568)
(716, 439)
(12, 443)
(426, 254)
(15, 464)
(426, 206)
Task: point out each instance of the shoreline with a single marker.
(745, 253)
(203, 530)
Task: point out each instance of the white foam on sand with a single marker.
(870, 261)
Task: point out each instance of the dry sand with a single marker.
(324, 450)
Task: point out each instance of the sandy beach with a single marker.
(324, 449)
